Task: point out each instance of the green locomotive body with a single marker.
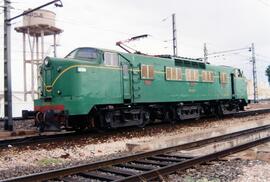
(102, 88)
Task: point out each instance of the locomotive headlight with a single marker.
(59, 69)
(46, 61)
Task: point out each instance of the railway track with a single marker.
(260, 111)
(149, 165)
(21, 141)
(44, 138)
(18, 118)
(249, 113)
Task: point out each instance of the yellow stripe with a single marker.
(80, 65)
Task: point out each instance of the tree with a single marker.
(267, 73)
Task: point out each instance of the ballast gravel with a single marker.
(28, 124)
(225, 171)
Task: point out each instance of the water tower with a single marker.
(36, 26)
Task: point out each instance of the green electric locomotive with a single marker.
(98, 88)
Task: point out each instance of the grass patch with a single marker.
(49, 161)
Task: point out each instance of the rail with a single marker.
(43, 138)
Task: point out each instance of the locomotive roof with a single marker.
(180, 60)
(160, 56)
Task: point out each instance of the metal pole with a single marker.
(54, 44)
(37, 65)
(254, 74)
(42, 44)
(205, 51)
(174, 36)
(32, 70)
(31, 46)
(37, 49)
(7, 68)
(24, 69)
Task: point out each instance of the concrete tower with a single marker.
(36, 26)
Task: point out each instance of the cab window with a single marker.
(88, 54)
(110, 59)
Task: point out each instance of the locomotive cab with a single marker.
(59, 85)
(65, 82)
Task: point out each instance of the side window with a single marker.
(72, 54)
(240, 74)
(223, 78)
(110, 59)
(125, 70)
(207, 76)
(211, 76)
(204, 76)
(173, 73)
(237, 73)
(147, 72)
(192, 75)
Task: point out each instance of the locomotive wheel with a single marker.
(39, 123)
(80, 127)
(166, 117)
(218, 111)
(78, 123)
(38, 118)
(145, 117)
(171, 118)
(173, 115)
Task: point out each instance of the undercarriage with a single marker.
(117, 116)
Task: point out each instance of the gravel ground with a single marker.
(262, 104)
(223, 171)
(21, 125)
(257, 172)
(49, 164)
(35, 158)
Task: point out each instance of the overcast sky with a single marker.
(222, 24)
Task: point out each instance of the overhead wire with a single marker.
(260, 55)
(264, 3)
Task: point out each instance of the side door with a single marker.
(240, 85)
(126, 80)
(232, 85)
